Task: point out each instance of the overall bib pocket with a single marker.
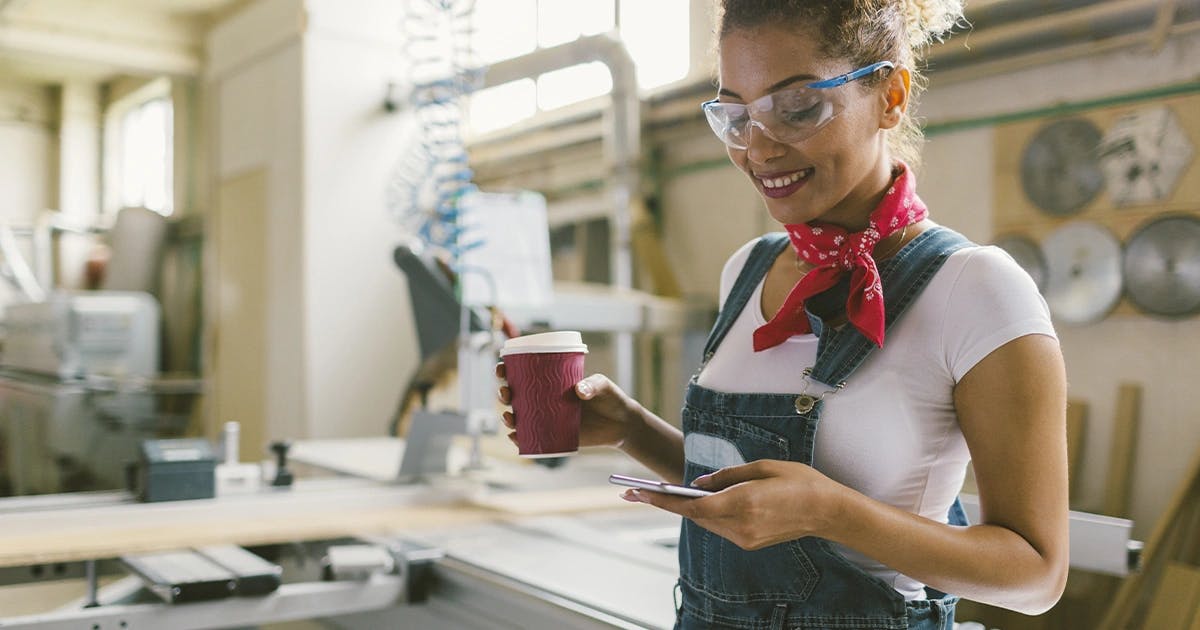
(714, 565)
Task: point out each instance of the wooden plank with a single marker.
(321, 511)
(1156, 550)
(1119, 485)
(1177, 599)
(651, 254)
(238, 331)
(531, 503)
(1077, 411)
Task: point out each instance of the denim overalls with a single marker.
(802, 584)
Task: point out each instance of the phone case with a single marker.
(657, 486)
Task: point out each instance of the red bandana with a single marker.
(834, 252)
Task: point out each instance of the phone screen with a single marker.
(657, 486)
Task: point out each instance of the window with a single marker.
(503, 105)
(656, 34)
(140, 155)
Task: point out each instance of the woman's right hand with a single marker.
(609, 415)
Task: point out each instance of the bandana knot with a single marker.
(834, 252)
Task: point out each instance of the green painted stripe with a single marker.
(1062, 109)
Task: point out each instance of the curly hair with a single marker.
(862, 32)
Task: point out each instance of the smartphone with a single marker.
(657, 486)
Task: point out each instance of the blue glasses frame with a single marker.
(721, 129)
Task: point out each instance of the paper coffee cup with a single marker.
(542, 370)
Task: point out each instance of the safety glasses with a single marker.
(787, 116)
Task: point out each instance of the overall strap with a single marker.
(765, 251)
(840, 352)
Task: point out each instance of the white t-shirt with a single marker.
(892, 433)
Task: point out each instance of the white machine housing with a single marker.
(75, 334)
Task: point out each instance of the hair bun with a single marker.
(930, 20)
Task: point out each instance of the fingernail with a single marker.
(584, 388)
(702, 480)
(633, 496)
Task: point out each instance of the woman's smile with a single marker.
(781, 184)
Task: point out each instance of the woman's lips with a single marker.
(778, 186)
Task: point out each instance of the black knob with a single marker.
(283, 476)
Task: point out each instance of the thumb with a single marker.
(732, 475)
(592, 386)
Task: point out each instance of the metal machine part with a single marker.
(176, 469)
(252, 575)
(356, 562)
(182, 576)
(1083, 265)
(1027, 254)
(78, 435)
(1060, 169)
(1144, 155)
(1162, 266)
(80, 334)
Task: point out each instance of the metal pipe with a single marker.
(1063, 25)
(1162, 24)
(93, 590)
(622, 147)
(1005, 65)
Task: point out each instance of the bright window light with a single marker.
(573, 84)
(562, 21)
(504, 29)
(145, 156)
(656, 34)
(502, 106)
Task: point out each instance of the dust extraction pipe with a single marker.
(622, 148)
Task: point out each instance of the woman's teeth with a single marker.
(787, 180)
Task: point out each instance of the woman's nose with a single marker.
(760, 147)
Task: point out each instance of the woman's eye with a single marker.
(739, 120)
(801, 115)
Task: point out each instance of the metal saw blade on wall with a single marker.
(1162, 266)
(1083, 269)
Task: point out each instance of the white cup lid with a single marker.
(558, 341)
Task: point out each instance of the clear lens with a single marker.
(787, 116)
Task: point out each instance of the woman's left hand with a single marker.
(757, 505)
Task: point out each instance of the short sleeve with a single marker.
(993, 301)
(733, 267)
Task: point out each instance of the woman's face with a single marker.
(836, 175)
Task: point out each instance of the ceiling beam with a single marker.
(44, 44)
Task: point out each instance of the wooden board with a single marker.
(1159, 549)
(1119, 483)
(1077, 411)
(1177, 600)
(1015, 214)
(531, 503)
(321, 511)
(239, 330)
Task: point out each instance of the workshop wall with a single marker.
(1158, 355)
(26, 148)
(361, 343)
(27, 155)
(303, 240)
(254, 300)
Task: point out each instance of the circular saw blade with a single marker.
(1027, 254)
(1083, 272)
(1162, 266)
(1060, 169)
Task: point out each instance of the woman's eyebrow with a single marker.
(779, 85)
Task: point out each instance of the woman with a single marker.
(913, 350)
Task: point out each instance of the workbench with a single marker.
(568, 554)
